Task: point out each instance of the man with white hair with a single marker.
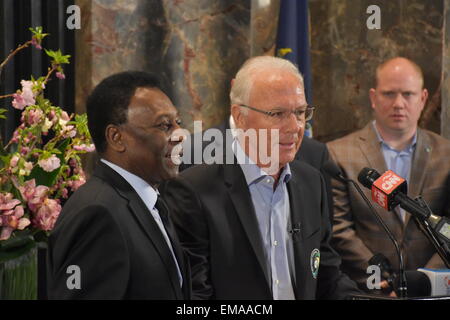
(258, 228)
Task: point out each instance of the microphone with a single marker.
(335, 172)
(389, 190)
(419, 284)
(295, 229)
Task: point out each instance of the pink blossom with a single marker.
(24, 151)
(84, 147)
(26, 97)
(73, 162)
(35, 116)
(12, 216)
(15, 137)
(14, 161)
(27, 92)
(60, 75)
(75, 184)
(18, 102)
(7, 202)
(65, 116)
(50, 164)
(35, 43)
(34, 196)
(51, 114)
(47, 214)
(6, 232)
(69, 132)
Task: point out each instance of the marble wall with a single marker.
(445, 79)
(195, 45)
(345, 54)
(198, 45)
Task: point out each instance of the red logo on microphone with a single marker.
(384, 186)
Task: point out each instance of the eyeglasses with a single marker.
(282, 114)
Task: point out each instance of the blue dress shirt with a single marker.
(398, 161)
(273, 214)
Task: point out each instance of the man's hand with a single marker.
(385, 285)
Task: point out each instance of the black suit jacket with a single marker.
(311, 151)
(212, 209)
(107, 231)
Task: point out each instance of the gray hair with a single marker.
(242, 86)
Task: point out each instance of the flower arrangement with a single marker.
(40, 166)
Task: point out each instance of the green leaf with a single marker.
(57, 56)
(37, 33)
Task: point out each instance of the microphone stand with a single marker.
(402, 289)
(441, 249)
(424, 226)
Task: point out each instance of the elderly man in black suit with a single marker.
(115, 231)
(258, 229)
(311, 151)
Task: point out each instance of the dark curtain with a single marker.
(16, 16)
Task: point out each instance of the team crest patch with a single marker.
(315, 262)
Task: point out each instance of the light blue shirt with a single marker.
(149, 196)
(273, 214)
(398, 161)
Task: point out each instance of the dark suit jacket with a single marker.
(212, 209)
(106, 230)
(311, 151)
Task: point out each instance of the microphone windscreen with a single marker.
(332, 169)
(383, 263)
(418, 284)
(367, 177)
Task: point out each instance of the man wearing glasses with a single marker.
(258, 228)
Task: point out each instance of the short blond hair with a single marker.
(415, 66)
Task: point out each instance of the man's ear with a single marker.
(239, 118)
(424, 97)
(372, 93)
(114, 138)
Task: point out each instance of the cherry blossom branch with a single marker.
(12, 54)
(7, 96)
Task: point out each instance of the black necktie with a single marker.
(163, 211)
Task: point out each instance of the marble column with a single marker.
(195, 45)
